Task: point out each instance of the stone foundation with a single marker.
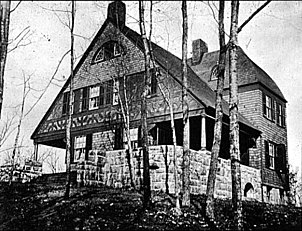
(111, 169)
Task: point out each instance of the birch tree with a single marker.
(146, 90)
(185, 111)
(70, 106)
(17, 137)
(4, 31)
(234, 126)
(220, 72)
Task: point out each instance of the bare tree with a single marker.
(146, 90)
(218, 70)
(4, 30)
(166, 93)
(234, 126)
(26, 89)
(70, 108)
(185, 110)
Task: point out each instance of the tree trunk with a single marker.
(185, 111)
(219, 115)
(18, 131)
(126, 117)
(234, 126)
(146, 90)
(69, 119)
(4, 30)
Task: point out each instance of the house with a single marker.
(114, 64)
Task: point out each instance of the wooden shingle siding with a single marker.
(251, 106)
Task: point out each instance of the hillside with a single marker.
(37, 207)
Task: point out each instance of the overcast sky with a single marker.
(272, 40)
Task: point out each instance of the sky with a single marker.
(272, 40)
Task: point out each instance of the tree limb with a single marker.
(252, 16)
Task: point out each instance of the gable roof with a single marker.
(248, 72)
(198, 88)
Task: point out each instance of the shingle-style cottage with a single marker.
(113, 62)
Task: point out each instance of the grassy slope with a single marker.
(43, 208)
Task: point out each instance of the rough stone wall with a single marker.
(103, 140)
(114, 171)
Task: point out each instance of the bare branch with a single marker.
(15, 7)
(252, 16)
(52, 77)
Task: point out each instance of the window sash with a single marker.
(268, 101)
(94, 93)
(271, 153)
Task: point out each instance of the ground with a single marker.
(37, 207)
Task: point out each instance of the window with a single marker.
(214, 73)
(117, 50)
(280, 115)
(115, 92)
(280, 159)
(65, 103)
(270, 150)
(106, 93)
(66, 98)
(79, 148)
(153, 83)
(133, 138)
(82, 146)
(269, 107)
(107, 51)
(94, 93)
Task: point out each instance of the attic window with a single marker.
(107, 51)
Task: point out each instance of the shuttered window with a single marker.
(65, 108)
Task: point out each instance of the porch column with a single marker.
(36, 151)
(203, 132)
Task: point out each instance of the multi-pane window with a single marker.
(268, 107)
(115, 93)
(66, 99)
(79, 148)
(273, 110)
(280, 115)
(106, 91)
(107, 51)
(275, 156)
(65, 109)
(94, 94)
(271, 153)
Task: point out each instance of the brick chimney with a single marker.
(117, 13)
(199, 47)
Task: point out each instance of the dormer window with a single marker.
(107, 51)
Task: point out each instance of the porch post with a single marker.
(36, 145)
(203, 132)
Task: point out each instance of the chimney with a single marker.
(117, 13)
(199, 47)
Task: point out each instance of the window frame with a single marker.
(108, 50)
(280, 114)
(79, 146)
(93, 98)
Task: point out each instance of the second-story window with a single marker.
(94, 93)
(106, 93)
(270, 153)
(65, 108)
(269, 107)
(280, 115)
